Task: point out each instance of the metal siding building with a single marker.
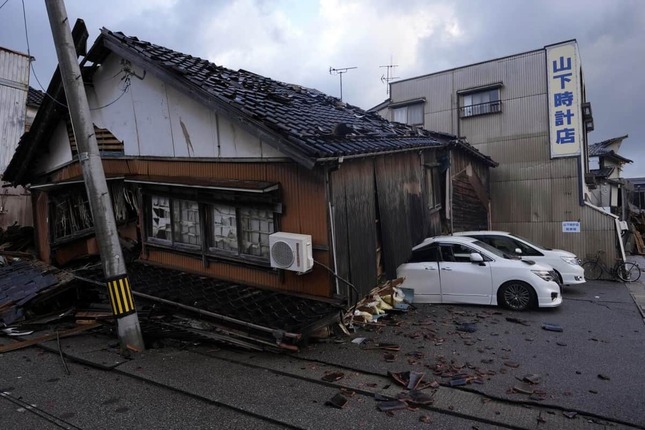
(532, 194)
(15, 203)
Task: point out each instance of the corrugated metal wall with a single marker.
(15, 203)
(14, 85)
(377, 201)
(304, 211)
(531, 194)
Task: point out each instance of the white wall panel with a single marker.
(155, 119)
(118, 113)
(60, 151)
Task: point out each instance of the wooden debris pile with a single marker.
(384, 299)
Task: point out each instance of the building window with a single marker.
(480, 103)
(433, 187)
(223, 234)
(238, 231)
(255, 227)
(186, 224)
(160, 210)
(410, 114)
(71, 216)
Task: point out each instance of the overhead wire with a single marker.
(126, 78)
(5, 2)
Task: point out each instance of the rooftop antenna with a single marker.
(389, 75)
(340, 72)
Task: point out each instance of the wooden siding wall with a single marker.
(469, 213)
(401, 207)
(470, 193)
(380, 201)
(304, 211)
(40, 203)
(354, 209)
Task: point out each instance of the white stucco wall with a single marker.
(155, 119)
(59, 150)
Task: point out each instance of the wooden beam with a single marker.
(25, 343)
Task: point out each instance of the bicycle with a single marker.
(625, 271)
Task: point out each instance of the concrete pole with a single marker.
(129, 331)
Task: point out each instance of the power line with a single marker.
(5, 2)
(126, 78)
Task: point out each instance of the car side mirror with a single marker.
(476, 258)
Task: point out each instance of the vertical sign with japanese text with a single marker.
(564, 93)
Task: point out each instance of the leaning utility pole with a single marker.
(89, 157)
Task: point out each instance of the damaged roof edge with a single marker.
(463, 145)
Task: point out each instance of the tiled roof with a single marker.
(597, 149)
(315, 124)
(602, 173)
(23, 281)
(606, 146)
(303, 123)
(34, 97)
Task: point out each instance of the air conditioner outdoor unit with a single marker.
(291, 251)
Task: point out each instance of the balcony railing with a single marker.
(480, 109)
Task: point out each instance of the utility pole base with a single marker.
(129, 333)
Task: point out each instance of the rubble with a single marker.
(384, 299)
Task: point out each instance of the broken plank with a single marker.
(94, 315)
(25, 343)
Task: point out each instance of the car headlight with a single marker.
(544, 274)
(574, 261)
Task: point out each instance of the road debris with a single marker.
(532, 378)
(333, 376)
(338, 401)
(518, 321)
(552, 327)
(468, 327)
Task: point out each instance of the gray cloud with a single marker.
(298, 41)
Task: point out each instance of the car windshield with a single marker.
(491, 249)
(530, 243)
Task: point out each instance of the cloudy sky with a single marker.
(299, 40)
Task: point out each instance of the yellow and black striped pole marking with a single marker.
(121, 296)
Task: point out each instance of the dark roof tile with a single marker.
(34, 97)
(292, 111)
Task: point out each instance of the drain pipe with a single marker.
(332, 225)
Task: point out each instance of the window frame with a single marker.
(128, 208)
(406, 106)
(433, 187)
(482, 108)
(206, 200)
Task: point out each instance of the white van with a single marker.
(567, 265)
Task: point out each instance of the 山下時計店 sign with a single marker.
(564, 94)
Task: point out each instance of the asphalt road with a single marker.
(594, 365)
(593, 368)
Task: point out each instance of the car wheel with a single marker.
(558, 279)
(516, 295)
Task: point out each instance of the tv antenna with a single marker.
(389, 75)
(340, 72)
